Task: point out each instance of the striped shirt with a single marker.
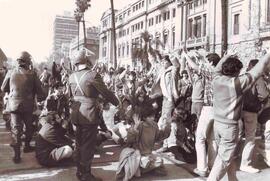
(207, 73)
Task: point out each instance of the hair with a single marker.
(232, 66)
(167, 58)
(184, 72)
(252, 63)
(50, 104)
(120, 70)
(133, 73)
(147, 111)
(213, 58)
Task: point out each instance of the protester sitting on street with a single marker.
(182, 120)
(123, 122)
(52, 146)
(142, 137)
(229, 88)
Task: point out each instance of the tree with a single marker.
(141, 49)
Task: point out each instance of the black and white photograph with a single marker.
(134, 90)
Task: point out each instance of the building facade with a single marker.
(192, 23)
(65, 29)
(92, 42)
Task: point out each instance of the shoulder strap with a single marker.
(78, 81)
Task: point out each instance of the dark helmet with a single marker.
(80, 57)
(24, 58)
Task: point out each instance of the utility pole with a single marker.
(113, 36)
(224, 25)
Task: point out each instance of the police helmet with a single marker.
(24, 58)
(79, 57)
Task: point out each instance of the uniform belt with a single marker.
(84, 99)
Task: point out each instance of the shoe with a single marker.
(17, 154)
(249, 169)
(200, 173)
(267, 162)
(16, 159)
(28, 149)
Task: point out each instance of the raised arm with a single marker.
(190, 62)
(260, 67)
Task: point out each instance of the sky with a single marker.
(28, 24)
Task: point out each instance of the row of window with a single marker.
(138, 6)
(196, 3)
(197, 27)
(137, 26)
(123, 50)
(122, 33)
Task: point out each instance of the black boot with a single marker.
(86, 174)
(79, 171)
(17, 154)
(28, 148)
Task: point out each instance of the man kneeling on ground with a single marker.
(52, 146)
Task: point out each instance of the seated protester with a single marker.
(62, 104)
(103, 133)
(180, 126)
(123, 122)
(142, 138)
(52, 146)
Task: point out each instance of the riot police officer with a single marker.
(86, 86)
(23, 85)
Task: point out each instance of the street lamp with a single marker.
(82, 6)
(78, 17)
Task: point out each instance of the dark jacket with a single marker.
(23, 85)
(86, 109)
(255, 96)
(51, 136)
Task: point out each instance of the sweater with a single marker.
(228, 97)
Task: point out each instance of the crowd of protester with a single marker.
(193, 104)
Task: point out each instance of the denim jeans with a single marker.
(250, 121)
(166, 114)
(226, 136)
(264, 148)
(204, 135)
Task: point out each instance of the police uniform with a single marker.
(22, 85)
(86, 86)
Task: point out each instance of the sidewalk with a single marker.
(6, 154)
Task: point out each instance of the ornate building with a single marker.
(192, 23)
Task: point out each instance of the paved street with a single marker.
(30, 170)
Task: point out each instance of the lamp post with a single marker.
(82, 6)
(78, 17)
